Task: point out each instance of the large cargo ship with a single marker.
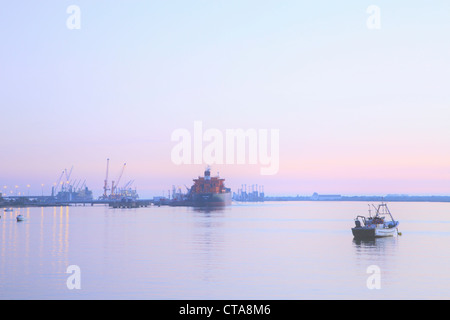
(206, 191)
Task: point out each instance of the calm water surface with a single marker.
(275, 250)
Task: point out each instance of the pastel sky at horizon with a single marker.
(359, 111)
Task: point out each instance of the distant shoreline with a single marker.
(315, 198)
(363, 198)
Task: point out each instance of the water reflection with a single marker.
(208, 209)
(208, 240)
(374, 243)
(364, 242)
(41, 240)
(378, 247)
(240, 252)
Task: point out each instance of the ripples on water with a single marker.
(279, 250)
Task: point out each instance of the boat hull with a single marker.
(367, 233)
(363, 233)
(211, 199)
(204, 200)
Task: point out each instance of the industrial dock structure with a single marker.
(116, 193)
(69, 191)
(206, 190)
(254, 194)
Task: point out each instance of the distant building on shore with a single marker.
(326, 197)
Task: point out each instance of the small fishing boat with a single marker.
(20, 217)
(376, 226)
(9, 209)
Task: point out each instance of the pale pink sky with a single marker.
(359, 111)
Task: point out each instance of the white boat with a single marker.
(376, 226)
(20, 217)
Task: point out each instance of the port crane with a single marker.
(105, 187)
(58, 183)
(67, 188)
(68, 174)
(113, 184)
(76, 183)
(128, 184)
(115, 192)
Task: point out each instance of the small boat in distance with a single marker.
(20, 217)
(9, 209)
(376, 226)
